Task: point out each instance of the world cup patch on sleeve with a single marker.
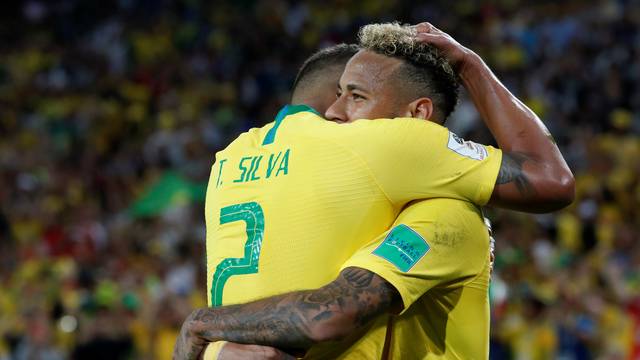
(467, 148)
(403, 247)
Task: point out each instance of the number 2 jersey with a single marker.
(289, 203)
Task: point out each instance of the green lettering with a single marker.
(272, 163)
(284, 164)
(249, 173)
(243, 168)
(219, 182)
(255, 168)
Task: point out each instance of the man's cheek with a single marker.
(352, 111)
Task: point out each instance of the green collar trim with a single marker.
(284, 112)
(294, 109)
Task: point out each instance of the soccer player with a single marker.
(330, 311)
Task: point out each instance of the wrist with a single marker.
(470, 66)
(200, 325)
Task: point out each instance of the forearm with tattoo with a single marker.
(531, 160)
(534, 176)
(295, 320)
(529, 179)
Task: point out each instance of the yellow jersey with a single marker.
(289, 203)
(437, 256)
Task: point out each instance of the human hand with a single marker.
(188, 347)
(456, 54)
(234, 351)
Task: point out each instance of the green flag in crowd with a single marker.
(170, 190)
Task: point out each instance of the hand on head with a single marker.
(453, 51)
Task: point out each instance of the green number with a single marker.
(251, 213)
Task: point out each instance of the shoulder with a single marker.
(453, 229)
(248, 139)
(396, 124)
(449, 224)
(400, 133)
(444, 211)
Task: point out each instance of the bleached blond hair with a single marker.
(428, 71)
(389, 38)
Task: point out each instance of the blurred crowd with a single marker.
(111, 113)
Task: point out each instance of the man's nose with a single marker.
(336, 112)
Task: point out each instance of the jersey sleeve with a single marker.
(439, 242)
(414, 159)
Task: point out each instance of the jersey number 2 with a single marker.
(251, 213)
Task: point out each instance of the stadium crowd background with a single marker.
(111, 113)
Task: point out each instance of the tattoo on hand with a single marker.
(187, 347)
(291, 321)
(511, 171)
(358, 278)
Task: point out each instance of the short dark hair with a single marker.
(427, 72)
(324, 58)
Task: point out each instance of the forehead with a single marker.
(368, 67)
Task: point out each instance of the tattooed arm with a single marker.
(295, 320)
(534, 176)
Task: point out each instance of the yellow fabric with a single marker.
(340, 186)
(213, 350)
(445, 293)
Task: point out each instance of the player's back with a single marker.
(289, 203)
(286, 206)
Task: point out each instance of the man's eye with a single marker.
(357, 96)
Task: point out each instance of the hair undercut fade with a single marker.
(311, 70)
(425, 73)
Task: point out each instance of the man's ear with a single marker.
(421, 108)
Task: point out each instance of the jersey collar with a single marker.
(294, 109)
(284, 112)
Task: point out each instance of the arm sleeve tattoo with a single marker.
(511, 172)
(299, 319)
